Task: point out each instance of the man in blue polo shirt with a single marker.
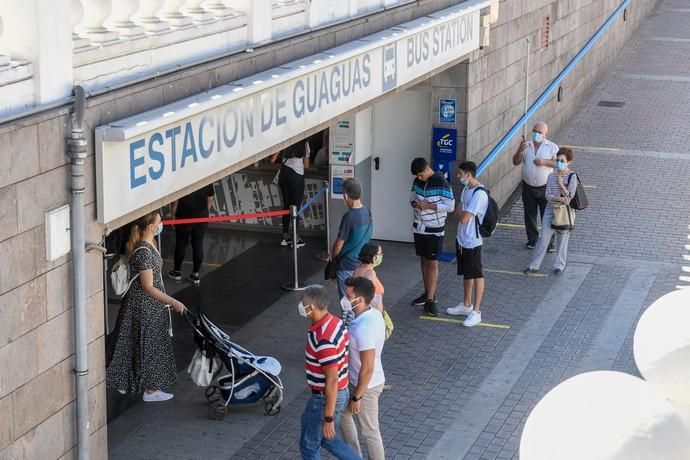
(355, 231)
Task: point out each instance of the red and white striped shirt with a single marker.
(327, 346)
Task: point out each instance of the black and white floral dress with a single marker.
(139, 350)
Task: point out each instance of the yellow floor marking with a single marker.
(602, 149)
(507, 272)
(500, 224)
(589, 186)
(449, 320)
(187, 262)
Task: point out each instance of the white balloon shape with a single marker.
(604, 415)
(662, 346)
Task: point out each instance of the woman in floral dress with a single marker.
(140, 354)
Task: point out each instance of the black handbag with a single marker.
(579, 201)
(329, 273)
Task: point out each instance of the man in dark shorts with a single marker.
(432, 200)
(196, 204)
(474, 202)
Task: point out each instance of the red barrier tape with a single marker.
(201, 220)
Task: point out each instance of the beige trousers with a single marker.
(369, 421)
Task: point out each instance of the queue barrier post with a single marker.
(295, 285)
(325, 254)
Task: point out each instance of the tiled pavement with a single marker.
(465, 393)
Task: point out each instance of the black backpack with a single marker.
(488, 226)
(579, 200)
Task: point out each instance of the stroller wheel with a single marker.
(211, 393)
(216, 410)
(271, 409)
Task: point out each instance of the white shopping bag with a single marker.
(199, 371)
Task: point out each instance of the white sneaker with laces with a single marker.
(157, 395)
(459, 309)
(474, 318)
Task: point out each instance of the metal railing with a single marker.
(491, 157)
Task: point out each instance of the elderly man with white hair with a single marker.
(538, 157)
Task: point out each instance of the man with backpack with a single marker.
(474, 208)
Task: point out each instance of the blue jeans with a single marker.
(311, 439)
(341, 276)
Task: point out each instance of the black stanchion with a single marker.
(324, 256)
(295, 285)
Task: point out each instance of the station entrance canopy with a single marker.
(144, 158)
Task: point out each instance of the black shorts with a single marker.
(428, 246)
(469, 262)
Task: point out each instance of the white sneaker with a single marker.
(459, 309)
(157, 395)
(474, 318)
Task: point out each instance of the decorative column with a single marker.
(311, 10)
(259, 18)
(147, 17)
(219, 9)
(239, 5)
(41, 32)
(121, 20)
(354, 7)
(196, 12)
(76, 15)
(95, 14)
(173, 15)
(4, 58)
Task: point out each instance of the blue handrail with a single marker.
(554, 84)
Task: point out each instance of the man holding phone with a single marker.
(432, 200)
(538, 157)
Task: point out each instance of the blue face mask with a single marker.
(159, 229)
(560, 165)
(537, 137)
(464, 182)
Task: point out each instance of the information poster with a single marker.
(339, 174)
(342, 136)
(446, 110)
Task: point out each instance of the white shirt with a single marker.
(367, 332)
(297, 164)
(532, 174)
(476, 203)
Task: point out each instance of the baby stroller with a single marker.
(243, 378)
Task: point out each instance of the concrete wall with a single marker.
(36, 311)
(496, 75)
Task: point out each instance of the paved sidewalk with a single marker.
(465, 393)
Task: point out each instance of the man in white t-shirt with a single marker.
(538, 157)
(367, 334)
(474, 202)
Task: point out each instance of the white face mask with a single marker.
(158, 230)
(346, 305)
(302, 310)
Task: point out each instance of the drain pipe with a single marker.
(76, 149)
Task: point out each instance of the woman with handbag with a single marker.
(371, 256)
(558, 218)
(140, 356)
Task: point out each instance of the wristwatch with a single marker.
(327, 419)
(355, 398)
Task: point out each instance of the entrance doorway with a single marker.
(401, 132)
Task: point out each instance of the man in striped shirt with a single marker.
(326, 366)
(432, 200)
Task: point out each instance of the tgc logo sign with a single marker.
(445, 141)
